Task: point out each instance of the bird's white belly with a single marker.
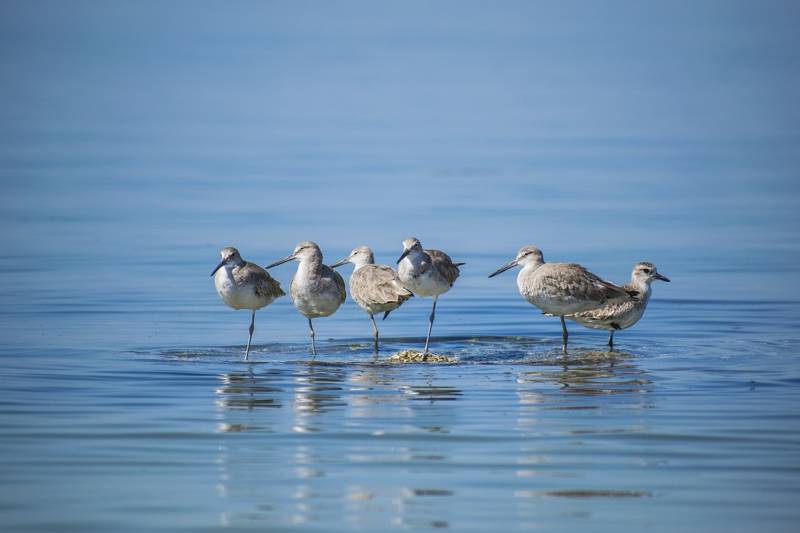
(235, 296)
(424, 284)
(316, 305)
(555, 306)
(310, 300)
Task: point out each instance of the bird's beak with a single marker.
(218, 267)
(662, 278)
(340, 263)
(280, 261)
(403, 255)
(503, 268)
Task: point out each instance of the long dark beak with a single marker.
(662, 278)
(403, 255)
(503, 268)
(280, 261)
(218, 267)
(340, 263)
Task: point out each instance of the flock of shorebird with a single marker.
(565, 290)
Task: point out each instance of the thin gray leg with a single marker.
(611, 340)
(311, 334)
(564, 335)
(374, 332)
(430, 327)
(250, 339)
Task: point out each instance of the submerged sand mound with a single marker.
(414, 356)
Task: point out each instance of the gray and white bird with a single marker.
(426, 273)
(244, 285)
(561, 289)
(317, 291)
(623, 313)
(376, 288)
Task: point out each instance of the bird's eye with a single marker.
(646, 270)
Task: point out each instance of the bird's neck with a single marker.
(309, 266)
(531, 266)
(225, 273)
(360, 264)
(417, 256)
(643, 287)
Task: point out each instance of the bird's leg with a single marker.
(311, 334)
(430, 327)
(250, 339)
(611, 340)
(564, 335)
(374, 333)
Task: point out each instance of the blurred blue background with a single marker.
(630, 130)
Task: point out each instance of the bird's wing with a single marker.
(265, 285)
(573, 282)
(444, 265)
(381, 283)
(339, 283)
(607, 313)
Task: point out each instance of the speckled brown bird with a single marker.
(623, 313)
(376, 288)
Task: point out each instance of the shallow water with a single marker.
(139, 140)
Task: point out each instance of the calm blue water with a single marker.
(139, 139)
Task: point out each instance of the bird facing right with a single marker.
(623, 313)
(561, 289)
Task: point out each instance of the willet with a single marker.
(561, 289)
(426, 273)
(244, 285)
(622, 313)
(317, 291)
(376, 288)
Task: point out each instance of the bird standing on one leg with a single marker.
(561, 289)
(317, 291)
(426, 273)
(244, 285)
(376, 288)
(623, 313)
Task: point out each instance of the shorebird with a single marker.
(426, 273)
(244, 285)
(622, 314)
(376, 288)
(317, 291)
(561, 289)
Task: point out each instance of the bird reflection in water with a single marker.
(591, 383)
(318, 389)
(246, 391)
(594, 374)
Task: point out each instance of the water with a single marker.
(138, 140)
